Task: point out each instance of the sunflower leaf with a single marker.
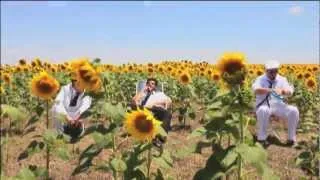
(15, 114)
(114, 112)
(118, 165)
(25, 174)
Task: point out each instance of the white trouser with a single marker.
(288, 112)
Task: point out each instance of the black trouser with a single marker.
(162, 115)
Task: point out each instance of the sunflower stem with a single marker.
(113, 142)
(149, 162)
(48, 151)
(241, 132)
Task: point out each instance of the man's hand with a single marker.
(282, 91)
(278, 91)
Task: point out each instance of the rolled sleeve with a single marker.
(86, 103)
(256, 85)
(287, 86)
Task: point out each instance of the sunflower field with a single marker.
(213, 123)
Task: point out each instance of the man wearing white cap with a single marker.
(270, 89)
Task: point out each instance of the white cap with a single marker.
(272, 64)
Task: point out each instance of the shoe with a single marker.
(291, 143)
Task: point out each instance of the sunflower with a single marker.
(44, 86)
(311, 83)
(18, 69)
(22, 62)
(185, 78)
(6, 78)
(259, 72)
(307, 75)
(86, 76)
(150, 70)
(299, 75)
(34, 63)
(231, 63)
(315, 68)
(142, 125)
(232, 67)
(216, 76)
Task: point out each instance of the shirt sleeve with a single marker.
(86, 103)
(59, 106)
(287, 86)
(256, 84)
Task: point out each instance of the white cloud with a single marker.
(296, 10)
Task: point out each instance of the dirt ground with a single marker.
(280, 158)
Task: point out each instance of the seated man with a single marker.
(71, 103)
(269, 89)
(158, 103)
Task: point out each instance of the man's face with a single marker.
(151, 85)
(272, 73)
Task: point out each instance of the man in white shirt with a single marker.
(269, 89)
(71, 103)
(158, 103)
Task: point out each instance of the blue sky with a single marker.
(149, 31)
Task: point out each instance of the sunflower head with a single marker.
(142, 125)
(185, 78)
(299, 75)
(6, 78)
(232, 67)
(87, 77)
(216, 76)
(22, 62)
(44, 86)
(307, 75)
(311, 83)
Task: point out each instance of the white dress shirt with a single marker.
(156, 98)
(263, 82)
(63, 99)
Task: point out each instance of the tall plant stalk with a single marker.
(47, 125)
(149, 162)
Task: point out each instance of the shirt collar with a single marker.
(276, 79)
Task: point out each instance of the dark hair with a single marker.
(73, 81)
(152, 79)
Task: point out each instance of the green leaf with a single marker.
(15, 114)
(62, 153)
(39, 171)
(115, 112)
(39, 110)
(50, 137)
(229, 159)
(159, 175)
(201, 131)
(165, 160)
(252, 154)
(214, 169)
(102, 141)
(215, 105)
(256, 156)
(118, 165)
(25, 174)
